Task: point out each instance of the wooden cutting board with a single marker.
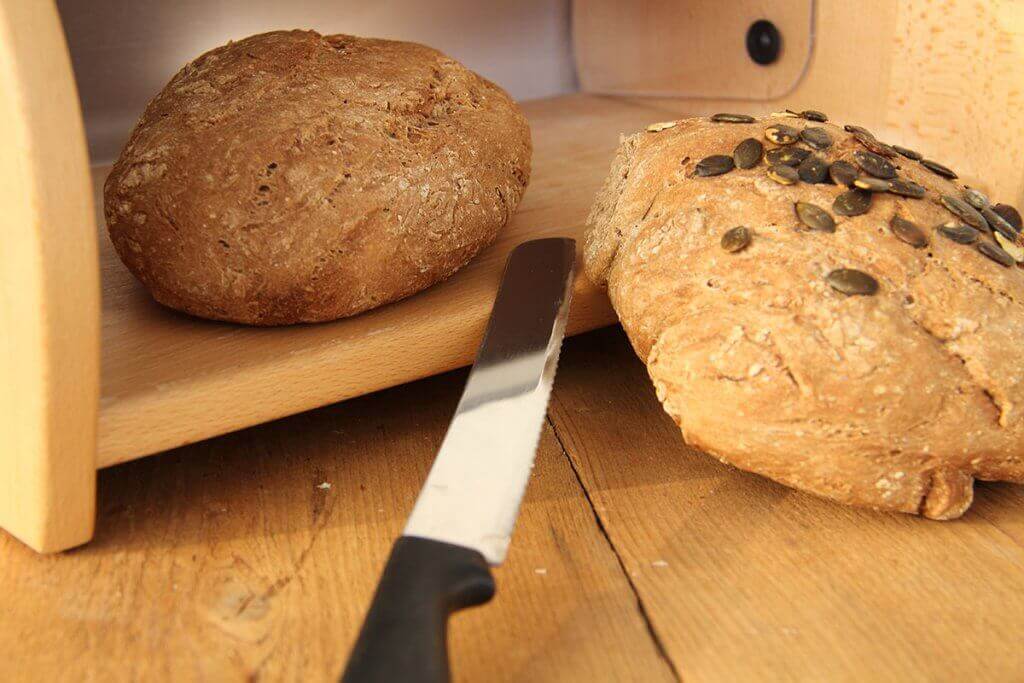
(169, 379)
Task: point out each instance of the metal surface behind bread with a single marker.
(293, 177)
(839, 315)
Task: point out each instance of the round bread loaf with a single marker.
(863, 346)
(293, 177)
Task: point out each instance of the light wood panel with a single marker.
(169, 379)
(744, 579)
(692, 49)
(49, 288)
(945, 77)
(231, 560)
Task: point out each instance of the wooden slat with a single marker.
(169, 379)
(227, 561)
(744, 579)
(49, 288)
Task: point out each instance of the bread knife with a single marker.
(463, 519)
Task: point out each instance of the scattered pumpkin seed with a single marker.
(733, 118)
(787, 156)
(1010, 215)
(852, 203)
(850, 128)
(658, 127)
(874, 164)
(813, 115)
(870, 184)
(816, 137)
(998, 224)
(852, 282)
(813, 169)
(906, 188)
(736, 239)
(908, 153)
(843, 173)
(874, 144)
(908, 232)
(748, 153)
(976, 199)
(1011, 247)
(814, 217)
(958, 232)
(782, 134)
(783, 175)
(964, 212)
(716, 164)
(996, 253)
(939, 169)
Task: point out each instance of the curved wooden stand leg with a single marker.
(49, 288)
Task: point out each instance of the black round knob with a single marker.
(764, 42)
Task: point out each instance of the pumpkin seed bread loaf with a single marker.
(819, 307)
(293, 177)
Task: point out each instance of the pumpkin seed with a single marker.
(976, 199)
(814, 169)
(843, 173)
(872, 184)
(998, 224)
(748, 153)
(964, 212)
(850, 128)
(908, 232)
(852, 282)
(874, 164)
(736, 239)
(733, 118)
(852, 203)
(939, 169)
(816, 137)
(1011, 247)
(782, 134)
(813, 115)
(960, 233)
(874, 145)
(1010, 215)
(814, 217)
(908, 153)
(906, 188)
(783, 175)
(996, 253)
(716, 164)
(658, 127)
(787, 156)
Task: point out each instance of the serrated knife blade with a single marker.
(473, 492)
(465, 513)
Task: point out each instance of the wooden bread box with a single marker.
(93, 373)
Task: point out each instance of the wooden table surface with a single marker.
(635, 558)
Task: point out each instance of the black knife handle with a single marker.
(405, 635)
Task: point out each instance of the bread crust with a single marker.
(293, 177)
(896, 401)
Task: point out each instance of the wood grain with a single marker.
(225, 560)
(169, 379)
(49, 288)
(945, 77)
(230, 560)
(744, 579)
